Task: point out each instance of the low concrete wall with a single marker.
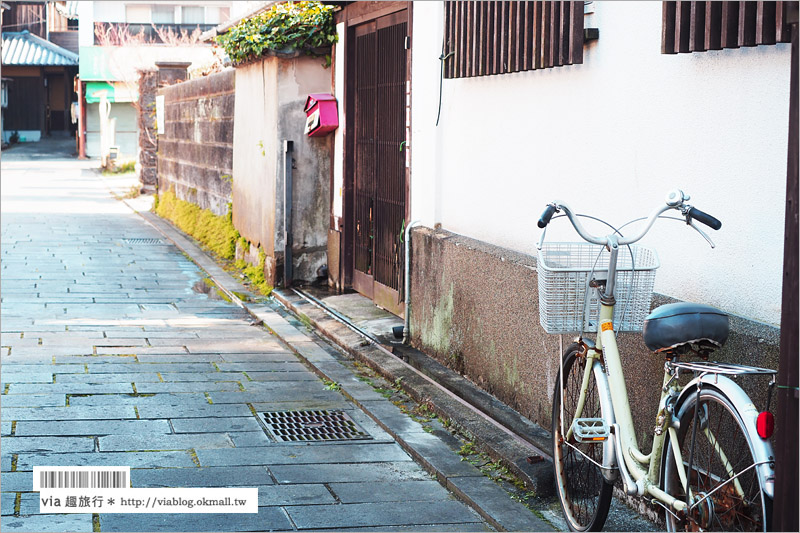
(195, 152)
(474, 307)
(270, 96)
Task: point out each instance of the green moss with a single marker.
(255, 273)
(96, 523)
(214, 231)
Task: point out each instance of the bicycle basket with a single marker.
(565, 270)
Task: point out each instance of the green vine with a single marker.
(284, 27)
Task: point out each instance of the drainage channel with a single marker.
(377, 344)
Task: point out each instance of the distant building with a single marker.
(117, 40)
(40, 60)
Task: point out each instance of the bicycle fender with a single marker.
(610, 471)
(762, 449)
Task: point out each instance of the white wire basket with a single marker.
(565, 270)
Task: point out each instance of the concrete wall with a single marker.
(610, 137)
(474, 307)
(270, 96)
(195, 153)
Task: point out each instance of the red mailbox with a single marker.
(322, 116)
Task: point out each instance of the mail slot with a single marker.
(322, 116)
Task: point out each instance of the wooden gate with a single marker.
(379, 180)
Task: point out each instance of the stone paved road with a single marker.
(109, 357)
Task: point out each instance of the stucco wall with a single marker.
(195, 152)
(475, 308)
(270, 96)
(610, 137)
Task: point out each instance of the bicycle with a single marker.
(710, 467)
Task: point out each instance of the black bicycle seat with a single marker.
(673, 325)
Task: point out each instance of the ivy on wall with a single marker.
(285, 27)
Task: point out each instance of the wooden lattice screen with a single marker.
(485, 38)
(701, 26)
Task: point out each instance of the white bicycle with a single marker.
(711, 466)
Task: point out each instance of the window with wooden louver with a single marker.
(701, 26)
(486, 38)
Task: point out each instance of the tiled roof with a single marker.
(24, 48)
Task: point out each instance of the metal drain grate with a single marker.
(143, 241)
(312, 426)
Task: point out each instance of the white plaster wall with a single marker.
(610, 137)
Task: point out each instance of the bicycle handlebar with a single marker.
(675, 200)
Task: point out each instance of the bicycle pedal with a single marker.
(590, 429)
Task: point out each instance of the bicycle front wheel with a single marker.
(725, 489)
(584, 493)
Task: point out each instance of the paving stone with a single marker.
(262, 366)
(430, 450)
(308, 454)
(5, 428)
(215, 425)
(16, 481)
(68, 413)
(6, 462)
(157, 410)
(398, 491)
(158, 350)
(33, 400)
(281, 376)
(295, 396)
(39, 377)
(276, 495)
(496, 502)
(179, 358)
(193, 386)
(244, 439)
(333, 473)
(138, 377)
(164, 442)
(56, 523)
(149, 367)
(233, 476)
(267, 519)
(70, 388)
(281, 356)
(47, 444)
(92, 427)
(380, 514)
(168, 459)
(165, 399)
(10, 369)
(8, 501)
(209, 376)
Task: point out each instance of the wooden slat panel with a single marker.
(697, 26)
(546, 29)
(459, 30)
(555, 17)
(529, 36)
(668, 28)
(448, 38)
(683, 14)
(747, 23)
(469, 8)
(563, 33)
(519, 36)
(576, 34)
(730, 24)
(494, 39)
(502, 51)
(713, 29)
(480, 48)
(765, 22)
(783, 32)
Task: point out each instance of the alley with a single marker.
(111, 356)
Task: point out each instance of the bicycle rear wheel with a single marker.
(723, 504)
(584, 493)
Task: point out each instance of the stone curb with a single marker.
(463, 479)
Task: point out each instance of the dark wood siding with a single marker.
(25, 104)
(701, 26)
(486, 38)
(24, 16)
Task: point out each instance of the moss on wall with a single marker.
(216, 232)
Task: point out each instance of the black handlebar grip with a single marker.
(544, 220)
(705, 218)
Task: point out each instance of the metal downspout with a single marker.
(407, 287)
(288, 237)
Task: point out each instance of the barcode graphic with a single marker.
(78, 477)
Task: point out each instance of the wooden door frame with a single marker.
(354, 15)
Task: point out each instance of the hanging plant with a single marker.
(284, 28)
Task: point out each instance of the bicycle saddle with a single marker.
(674, 325)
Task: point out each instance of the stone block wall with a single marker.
(475, 308)
(195, 152)
(148, 164)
